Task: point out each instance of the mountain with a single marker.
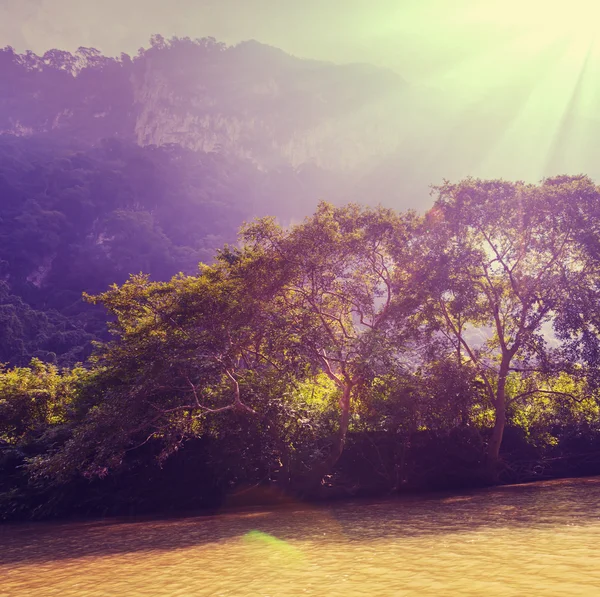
(111, 166)
(249, 100)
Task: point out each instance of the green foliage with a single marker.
(357, 347)
(361, 348)
(512, 255)
(37, 398)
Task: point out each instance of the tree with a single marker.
(185, 351)
(507, 256)
(335, 283)
(61, 60)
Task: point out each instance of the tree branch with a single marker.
(552, 392)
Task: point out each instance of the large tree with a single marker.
(179, 356)
(507, 257)
(340, 285)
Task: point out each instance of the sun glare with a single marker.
(557, 17)
(535, 92)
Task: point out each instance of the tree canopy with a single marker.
(352, 347)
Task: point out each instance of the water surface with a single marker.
(534, 540)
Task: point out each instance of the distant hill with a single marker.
(77, 218)
(250, 100)
(112, 166)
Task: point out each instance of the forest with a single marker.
(362, 351)
(77, 218)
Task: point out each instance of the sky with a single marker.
(418, 38)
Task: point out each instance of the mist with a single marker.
(501, 97)
(411, 37)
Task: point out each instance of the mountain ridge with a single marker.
(252, 100)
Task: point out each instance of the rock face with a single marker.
(250, 100)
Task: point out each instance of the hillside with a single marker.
(250, 100)
(75, 218)
(112, 166)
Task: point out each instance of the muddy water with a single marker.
(536, 540)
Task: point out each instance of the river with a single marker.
(531, 540)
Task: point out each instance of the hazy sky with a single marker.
(421, 39)
(418, 38)
(532, 66)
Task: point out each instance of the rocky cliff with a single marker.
(250, 100)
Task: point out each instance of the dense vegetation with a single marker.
(249, 99)
(361, 351)
(76, 218)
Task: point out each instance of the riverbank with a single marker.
(368, 470)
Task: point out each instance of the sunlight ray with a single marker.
(565, 137)
(532, 135)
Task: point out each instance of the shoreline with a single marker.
(292, 504)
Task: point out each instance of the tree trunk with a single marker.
(285, 473)
(320, 470)
(340, 443)
(493, 452)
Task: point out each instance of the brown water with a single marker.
(535, 540)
